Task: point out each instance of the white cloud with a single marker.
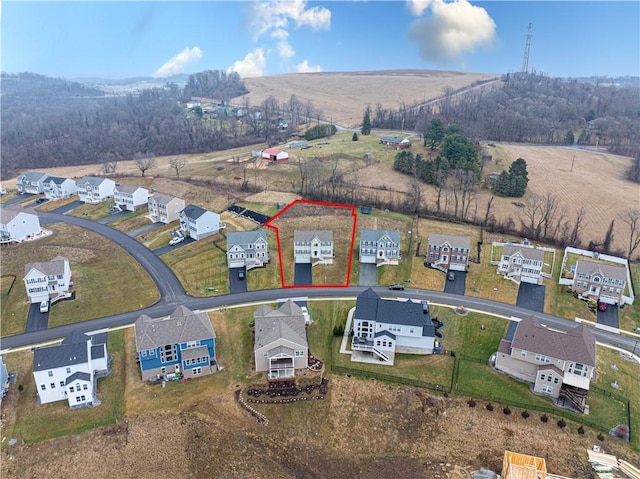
(285, 50)
(177, 63)
(451, 30)
(418, 7)
(279, 14)
(304, 67)
(252, 65)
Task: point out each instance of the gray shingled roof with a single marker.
(56, 179)
(370, 306)
(92, 180)
(53, 267)
(194, 212)
(128, 188)
(453, 240)
(182, 326)
(286, 322)
(244, 238)
(577, 344)
(162, 199)
(308, 235)
(525, 251)
(7, 213)
(32, 176)
(606, 270)
(376, 235)
(194, 353)
(77, 375)
(385, 333)
(280, 350)
(72, 350)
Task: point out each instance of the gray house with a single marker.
(313, 246)
(31, 182)
(521, 263)
(247, 248)
(280, 340)
(379, 247)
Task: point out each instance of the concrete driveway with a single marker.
(167, 248)
(303, 276)
(237, 285)
(531, 296)
(36, 320)
(457, 286)
(368, 275)
(608, 317)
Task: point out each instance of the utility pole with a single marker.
(527, 47)
(573, 161)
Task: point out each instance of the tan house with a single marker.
(448, 252)
(558, 365)
(314, 246)
(280, 340)
(164, 208)
(599, 281)
(521, 263)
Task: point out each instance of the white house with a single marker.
(273, 154)
(94, 190)
(44, 281)
(247, 249)
(69, 371)
(4, 379)
(602, 282)
(164, 208)
(280, 345)
(130, 197)
(198, 223)
(315, 247)
(448, 252)
(17, 223)
(56, 188)
(521, 263)
(379, 247)
(383, 327)
(31, 182)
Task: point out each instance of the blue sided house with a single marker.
(181, 345)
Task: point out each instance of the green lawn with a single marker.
(14, 305)
(93, 212)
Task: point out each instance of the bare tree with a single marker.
(177, 164)
(578, 224)
(533, 216)
(415, 195)
(631, 218)
(145, 162)
(109, 166)
(549, 210)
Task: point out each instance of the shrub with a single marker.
(489, 407)
(20, 387)
(338, 330)
(525, 414)
(354, 137)
(562, 424)
(600, 437)
(471, 403)
(544, 418)
(506, 411)
(581, 430)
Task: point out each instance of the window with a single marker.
(542, 358)
(168, 353)
(61, 384)
(68, 370)
(84, 387)
(542, 377)
(547, 389)
(78, 399)
(71, 389)
(299, 354)
(556, 381)
(523, 353)
(43, 387)
(196, 371)
(50, 374)
(53, 385)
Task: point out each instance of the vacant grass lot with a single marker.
(93, 212)
(92, 259)
(36, 422)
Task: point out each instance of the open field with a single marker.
(92, 259)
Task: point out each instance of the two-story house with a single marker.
(380, 247)
(94, 190)
(56, 188)
(280, 345)
(448, 252)
(247, 249)
(17, 223)
(130, 197)
(384, 327)
(31, 182)
(599, 281)
(44, 281)
(198, 223)
(521, 263)
(180, 345)
(164, 208)
(314, 246)
(70, 371)
(559, 365)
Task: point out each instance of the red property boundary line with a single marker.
(269, 224)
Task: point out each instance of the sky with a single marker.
(119, 39)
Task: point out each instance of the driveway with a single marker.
(458, 285)
(368, 274)
(36, 320)
(531, 296)
(237, 285)
(17, 199)
(608, 317)
(110, 218)
(61, 210)
(167, 248)
(144, 229)
(303, 276)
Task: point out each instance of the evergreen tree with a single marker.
(433, 133)
(354, 137)
(569, 138)
(366, 122)
(608, 238)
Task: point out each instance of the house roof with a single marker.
(393, 139)
(454, 241)
(162, 199)
(243, 238)
(377, 235)
(72, 350)
(526, 252)
(385, 333)
(194, 353)
(552, 367)
(7, 213)
(286, 322)
(182, 326)
(370, 306)
(93, 180)
(33, 176)
(280, 350)
(78, 375)
(606, 270)
(129, 188)
(308, 235)
(57, 180)
(194, 212)
(272, 151)
(53, 267)
(577, 344)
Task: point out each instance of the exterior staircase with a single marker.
(576, 396)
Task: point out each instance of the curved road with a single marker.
(173, 294)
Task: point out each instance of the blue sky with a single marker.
(116, 39)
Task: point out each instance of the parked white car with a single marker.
(305, 314)
(44, 306)
(176, 240)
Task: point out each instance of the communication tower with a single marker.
(527, 46)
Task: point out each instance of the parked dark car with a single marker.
(40, 200)
(240, 275)
(451, 276)
(398, 287)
